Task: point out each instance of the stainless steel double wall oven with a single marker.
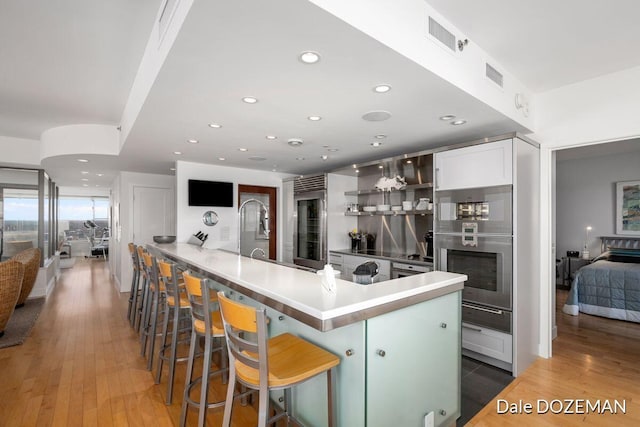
(474, 236)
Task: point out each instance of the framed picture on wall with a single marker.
(628, 207)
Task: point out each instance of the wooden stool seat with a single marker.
(292, 360)
(216, 327)
(184, 302)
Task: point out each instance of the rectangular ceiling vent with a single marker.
(494, 75)
(441, 34)
(310, 183)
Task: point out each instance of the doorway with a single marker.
(257, 221)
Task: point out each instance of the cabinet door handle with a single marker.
(349, 352)
(436, 178)
(381, 353)
(471, 328)
(443, 325)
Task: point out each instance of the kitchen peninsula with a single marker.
(399, 341)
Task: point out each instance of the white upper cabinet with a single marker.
(483, 165)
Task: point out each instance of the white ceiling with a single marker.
(71, 62)
(551, 43)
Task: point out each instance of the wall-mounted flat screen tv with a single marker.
(210, 193)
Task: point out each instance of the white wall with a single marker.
(586, 194)
(19, 151)
(224, 235)
(122, 203)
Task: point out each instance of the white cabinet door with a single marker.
(483, 165)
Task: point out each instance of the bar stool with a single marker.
(151, 312)
(135, 284)
(144, 292)
(176, 308)
(265, 364)
(207, 323)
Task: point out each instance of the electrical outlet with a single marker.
(430, 420)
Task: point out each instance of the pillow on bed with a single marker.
(624, 255)
(604, 255)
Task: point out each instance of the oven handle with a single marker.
(488, 310)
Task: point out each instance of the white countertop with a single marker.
(301, 295)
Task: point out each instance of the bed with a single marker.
(610, 285)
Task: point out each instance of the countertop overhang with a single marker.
(300, 294)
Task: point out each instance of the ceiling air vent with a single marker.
(441, 34)
(310, 183)
(493, 75)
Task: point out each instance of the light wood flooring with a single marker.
(593, 358)
(81, 366)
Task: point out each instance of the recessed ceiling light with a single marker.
(295, 142)
(354, 166)
(380, 167)
(447, 117)
(84, 179)
(333, 150)
(376, 144)
(357, 170)
(381, 136)
(99, 174)
(192, 141)
(97, 185)
(382, 88)
(83, 160)
(177, 153)
(222, 159)
(324, 157)
(215, 125)
(309, 57)
(314, 118)
(299, 158)
(274, 170)
(271, 137)
(85, 185)
(409, 162)
(243, 149)
(84, 173)
(257, 158)
(458, 122)
(249, 99)
(172, 169)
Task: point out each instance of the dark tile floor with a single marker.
(480, 384)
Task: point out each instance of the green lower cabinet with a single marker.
(413, 364)
(394, 368)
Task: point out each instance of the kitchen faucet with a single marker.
(264, 219)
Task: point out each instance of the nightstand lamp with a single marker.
(585, 250)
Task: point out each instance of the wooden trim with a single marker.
(273, 212)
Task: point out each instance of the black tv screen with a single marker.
(210, 193)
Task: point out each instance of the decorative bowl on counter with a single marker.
(369, 208)
(383, 207)
(164, 239)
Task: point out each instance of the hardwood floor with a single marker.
(82, 366)
(593, 358)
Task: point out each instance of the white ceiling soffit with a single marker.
(228, 50)
(549, 43)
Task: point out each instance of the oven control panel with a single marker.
(469, 234)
